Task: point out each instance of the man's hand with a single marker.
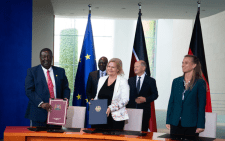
(168, 126)
(67, 103)
(199, 130)
(140, 100)
(108, 112)
(46, 106)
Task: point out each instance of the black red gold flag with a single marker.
(197, 48)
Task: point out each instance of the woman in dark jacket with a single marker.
(186, 109)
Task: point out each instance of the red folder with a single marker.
(59, 110)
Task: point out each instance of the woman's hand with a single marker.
(108, 112)
(90, 102)
(168, 126)
(199, 130)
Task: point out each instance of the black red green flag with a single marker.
(140, 53)
(197, 48)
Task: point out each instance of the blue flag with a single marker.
(86, 64)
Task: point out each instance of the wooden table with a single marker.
(21, 133)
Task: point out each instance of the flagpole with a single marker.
(89, 8)
(199, 4)
(139, 4)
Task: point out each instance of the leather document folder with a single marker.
(97, 111)
(59, 111)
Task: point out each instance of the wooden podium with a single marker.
(21, 133)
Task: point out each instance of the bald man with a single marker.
(94, 76)
(143, 91)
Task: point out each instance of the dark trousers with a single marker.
(183, 132)
(145, 119)
(111, 124)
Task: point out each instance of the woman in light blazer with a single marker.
(186, 109)
(115, 88)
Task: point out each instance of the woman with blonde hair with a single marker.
(186, 109)
(115, 88)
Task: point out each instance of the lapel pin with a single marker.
(56, 75)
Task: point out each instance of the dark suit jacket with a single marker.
(92, 84)
(37, 91)
(191, 110)
(148, 90)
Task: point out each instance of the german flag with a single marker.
(197, 48)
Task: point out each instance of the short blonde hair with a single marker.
(118, 65)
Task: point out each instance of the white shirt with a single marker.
(141, 80)
(100, 73)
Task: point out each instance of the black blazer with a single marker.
(148, 90)
(92, 84)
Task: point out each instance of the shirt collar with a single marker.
(102, 71)
(45, 70)
(142, 76)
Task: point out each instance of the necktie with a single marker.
(102, 74)
(138, 84)
(50, 85)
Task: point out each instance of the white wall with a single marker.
(123, 40)
(182, 32)
(213, 29)
(180, 39)
(163, 61)
(42, 28)
(173, 39)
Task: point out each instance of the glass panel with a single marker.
(149, 31)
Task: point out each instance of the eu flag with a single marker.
(86, 64)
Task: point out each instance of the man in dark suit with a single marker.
(143, 91)
(41, 83)
(93, 78)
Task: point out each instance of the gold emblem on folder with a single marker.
(98, 108)
(57, 107)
